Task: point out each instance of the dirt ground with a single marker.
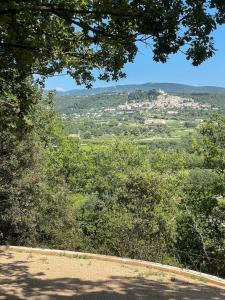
(36, 276)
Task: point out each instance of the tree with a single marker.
(34, 209)
(136, 219)
(45, 36)
(203, 209)
(212, 147)
(200, 230)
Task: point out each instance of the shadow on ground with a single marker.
(17, 283)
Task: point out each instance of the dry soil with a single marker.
(37, 276)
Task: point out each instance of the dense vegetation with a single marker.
(120, 198)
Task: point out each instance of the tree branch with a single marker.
(20, 46)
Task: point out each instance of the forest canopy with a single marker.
(46, 37)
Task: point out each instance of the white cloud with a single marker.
(60, 89)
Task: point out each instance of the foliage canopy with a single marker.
(46, 37)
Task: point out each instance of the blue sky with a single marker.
(177, 69)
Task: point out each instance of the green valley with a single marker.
(150, 117)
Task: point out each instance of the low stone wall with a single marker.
(133, 262)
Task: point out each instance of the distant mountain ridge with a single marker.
(167, 87)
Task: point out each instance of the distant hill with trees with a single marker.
(167, 87)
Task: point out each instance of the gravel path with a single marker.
(36, 276)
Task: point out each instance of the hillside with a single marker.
(167, 87)
(74, 104)
(146, 115)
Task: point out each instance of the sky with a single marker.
(176, 70)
